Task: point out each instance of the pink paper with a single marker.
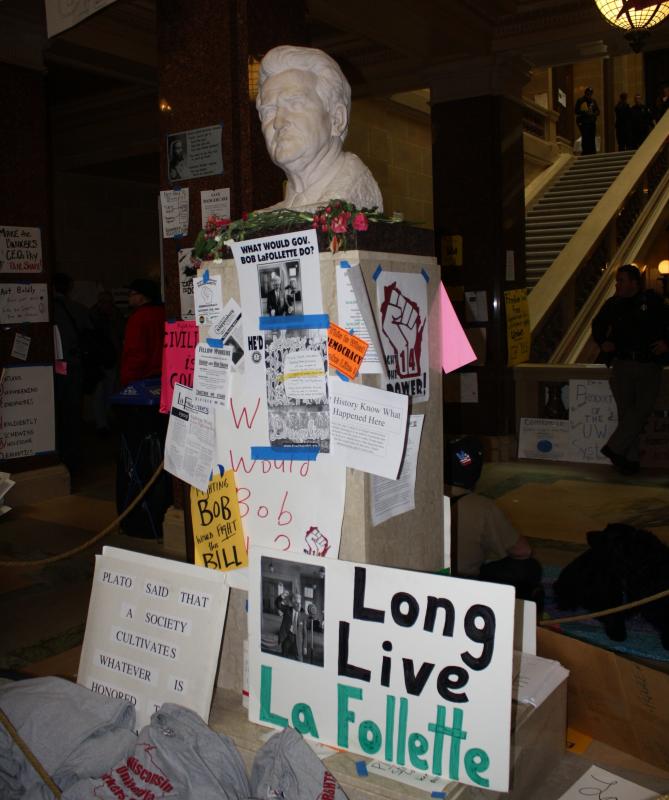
(455, 348)
(178, 359)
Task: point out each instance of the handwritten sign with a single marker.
(26, 412)
(181, 338)
(345, 351)
(517, 326)
(20, 249)
(592, 419)
(411, 668)
(23, 302)
(218, 535)
(153, 632)
(599, 783)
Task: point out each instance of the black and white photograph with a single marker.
(293, 613)
(237, 349)
(297, 391)
(280, 289)
(177, 155)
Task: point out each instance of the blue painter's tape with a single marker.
(344, 265)
(305, 321)
(341, 375)
(284, 453)
(221, 469)
(205, 277)
(423, 272)
(377, 272)
(361, 769)
(438, 794)
(178, 235)
(215, 342)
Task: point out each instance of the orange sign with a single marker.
(345, 351)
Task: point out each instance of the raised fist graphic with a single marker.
(402, 325)
(316, 543)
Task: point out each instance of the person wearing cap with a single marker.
(487, 546)
(143, 342)
(587, 111)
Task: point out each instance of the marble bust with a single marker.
(304, 103)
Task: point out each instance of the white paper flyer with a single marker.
(191, 439)
(391, 498)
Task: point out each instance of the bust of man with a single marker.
(304, 103)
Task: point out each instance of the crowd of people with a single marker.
(633, 122)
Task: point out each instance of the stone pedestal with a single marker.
(413, 540)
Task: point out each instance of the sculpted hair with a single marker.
(331, 85)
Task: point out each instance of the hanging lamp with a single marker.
(635, 17)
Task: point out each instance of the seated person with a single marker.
(487, 546)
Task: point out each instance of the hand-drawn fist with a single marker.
(316, 543)
(403, 327)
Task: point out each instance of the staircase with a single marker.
(551, 222)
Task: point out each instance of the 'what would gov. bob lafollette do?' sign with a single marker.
(410, 668)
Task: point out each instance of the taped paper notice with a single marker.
(218, 536)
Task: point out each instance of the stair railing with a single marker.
(568, 282)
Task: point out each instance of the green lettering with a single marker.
(476, 761)
(344, 716)
(266, 714)
(303, 720)
(418, 745)
(369, 736)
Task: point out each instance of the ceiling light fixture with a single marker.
(635, 17)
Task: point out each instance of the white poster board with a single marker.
(20, 249)
(23, 302)
(544, 438)
(27, 425)
(411, 668)
(153, 632)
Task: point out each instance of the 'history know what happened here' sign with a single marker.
(411, 668)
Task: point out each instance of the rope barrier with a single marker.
(106, 531)
(595, 614)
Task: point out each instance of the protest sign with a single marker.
(592, 419)
(26, 411)
(279, 276)
(517, 326)
(208, 297)
(294, 505)
(186, 272)
(23, 302)
(178, 359)
(215, 203)
(174, 212)
(296, 382)
(153, 632)
(218, 536)
(544, 438)
(368, 427)
(195, 153)
(190, 439)
(411, 668)
(228, 328)
(345, 351)
(20, 249)
(402, 303)
(211, 375)
(355, 313)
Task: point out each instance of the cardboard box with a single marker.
(612, 698)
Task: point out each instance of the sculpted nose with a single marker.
(280, 119)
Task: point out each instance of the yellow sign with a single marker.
(451, 250)
(218, 536)
(517, 326)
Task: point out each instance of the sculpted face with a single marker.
(295, 123)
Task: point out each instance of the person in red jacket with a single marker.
(143, 343)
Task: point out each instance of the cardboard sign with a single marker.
(345, 351)
(218, 535)
(26, 411)
(592, 419)
(20, 249)
(517, 326)
(181, 338)
(411, 668)
(153, 632)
